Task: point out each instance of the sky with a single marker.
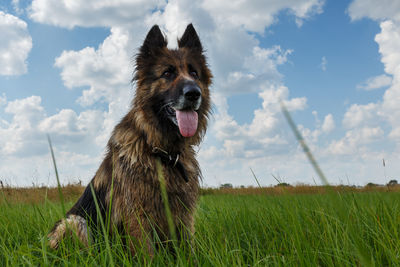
(66, 66)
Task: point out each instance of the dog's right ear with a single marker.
(154, 41)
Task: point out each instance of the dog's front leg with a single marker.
(185, 232)
(140, 237)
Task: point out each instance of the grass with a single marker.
(325, 229)
(298, 190)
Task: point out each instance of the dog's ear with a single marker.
(154, 41)
(190, 39)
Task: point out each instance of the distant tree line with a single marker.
(283, 184)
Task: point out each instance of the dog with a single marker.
(167, 119)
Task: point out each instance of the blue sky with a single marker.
(65, 70)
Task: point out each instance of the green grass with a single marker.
(332, 229)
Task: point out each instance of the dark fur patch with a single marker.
(86, 206)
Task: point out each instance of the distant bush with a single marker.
(283, 184)
(392, 183)
(226, 186)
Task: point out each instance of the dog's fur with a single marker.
(148, 133)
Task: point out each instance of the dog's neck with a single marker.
(171, 160)
(171, 147)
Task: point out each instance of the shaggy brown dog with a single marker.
(168, 117)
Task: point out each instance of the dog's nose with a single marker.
(192, 92)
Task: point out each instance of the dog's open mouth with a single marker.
(186, 120)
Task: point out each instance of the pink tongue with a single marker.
(187, 122)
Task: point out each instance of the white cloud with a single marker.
(259, 67)
(107, 72)
(23, 143)
(20, 136)
(361, 115)
(259, 14)
(368, 125)
(389, 41)
(17, 9)
(388, 13)
(356, 141)
(266, 60)
(27, 110)
(25, 135)
(395, 134)
(265, 132)
(376, 82)
(26, 132)
(15, 45)
(67, 124)
(329, 124)
(375, 9)
(104, 70)
(312, 137)
(91, 13)
(38, 170)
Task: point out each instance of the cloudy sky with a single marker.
(65, 70)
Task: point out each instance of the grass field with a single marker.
(242, 228)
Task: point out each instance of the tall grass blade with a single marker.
(164, 196)
(277, 178)
(303, 144)
(255, 177)
(60, 194)
(111, 200)
(103, 228)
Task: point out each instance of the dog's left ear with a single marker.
(190, 39)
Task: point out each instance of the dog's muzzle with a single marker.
(190, 98)
(183, 113)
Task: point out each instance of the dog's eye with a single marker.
(194, 74)
(167, 74)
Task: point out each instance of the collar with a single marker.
(171, 160)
